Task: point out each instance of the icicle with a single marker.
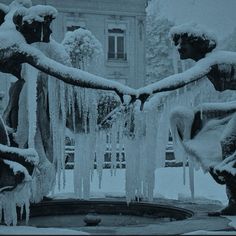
(162, 136)
(119, 143)
(10, 200)
(21, 212)
(113, 147)
(152, 152)
(191, 177)
(131, 151)
(42, 33)
(183, 65)
(100, 151)
(5, 131)
(84, 156)
(31, 75)
(57, 117)
(184, 168)
(62, 129)
(73, 109)
(78, 168)
(174, 60)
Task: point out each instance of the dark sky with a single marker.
(217, 15)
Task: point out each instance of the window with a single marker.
(116, 44)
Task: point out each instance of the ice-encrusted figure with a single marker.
(208, 133)
(27, 48)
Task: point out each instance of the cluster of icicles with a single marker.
(141, 135)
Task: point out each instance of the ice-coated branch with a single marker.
(213, 108)
(197, 72)
(27, 54)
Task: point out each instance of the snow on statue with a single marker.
(36, 114)
(204, 133)
(42, 105)
(83, 47)
(208, 133)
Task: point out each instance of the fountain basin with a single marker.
(71, 213)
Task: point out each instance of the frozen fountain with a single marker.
(73, 213)
(141, 134)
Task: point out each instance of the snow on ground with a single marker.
(28, 230)
(168, 184)
(204, 232)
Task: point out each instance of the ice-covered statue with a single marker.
(25, 130)
(207, 133)
(28, 52)
(41, 103)
(210, 137)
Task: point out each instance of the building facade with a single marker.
(119, 25)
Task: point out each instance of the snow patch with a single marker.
(36, 13)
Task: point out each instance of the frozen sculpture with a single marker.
(50, 95)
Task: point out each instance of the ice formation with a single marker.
(194, 30)
(83, 47)
(36, 13)
(141, 135)
(19, 197)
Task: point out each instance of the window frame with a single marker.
(116, 52)
(123, 27)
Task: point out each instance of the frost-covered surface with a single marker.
(29, 154)
(195, 73)
(169, 184)
(5, 130)
(12, 8)
(28, 230)
(53, 92)
(83, 47)
(205, 148)
(159, 134)
(205, 232)
(16, 167)
(194, 30)
(143, 136)
(191, 75)
(18, 3)
(20, 196)
(228, 164)
(36, 13)
(69, 74)
(4, 7)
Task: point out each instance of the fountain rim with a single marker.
(114, 207)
